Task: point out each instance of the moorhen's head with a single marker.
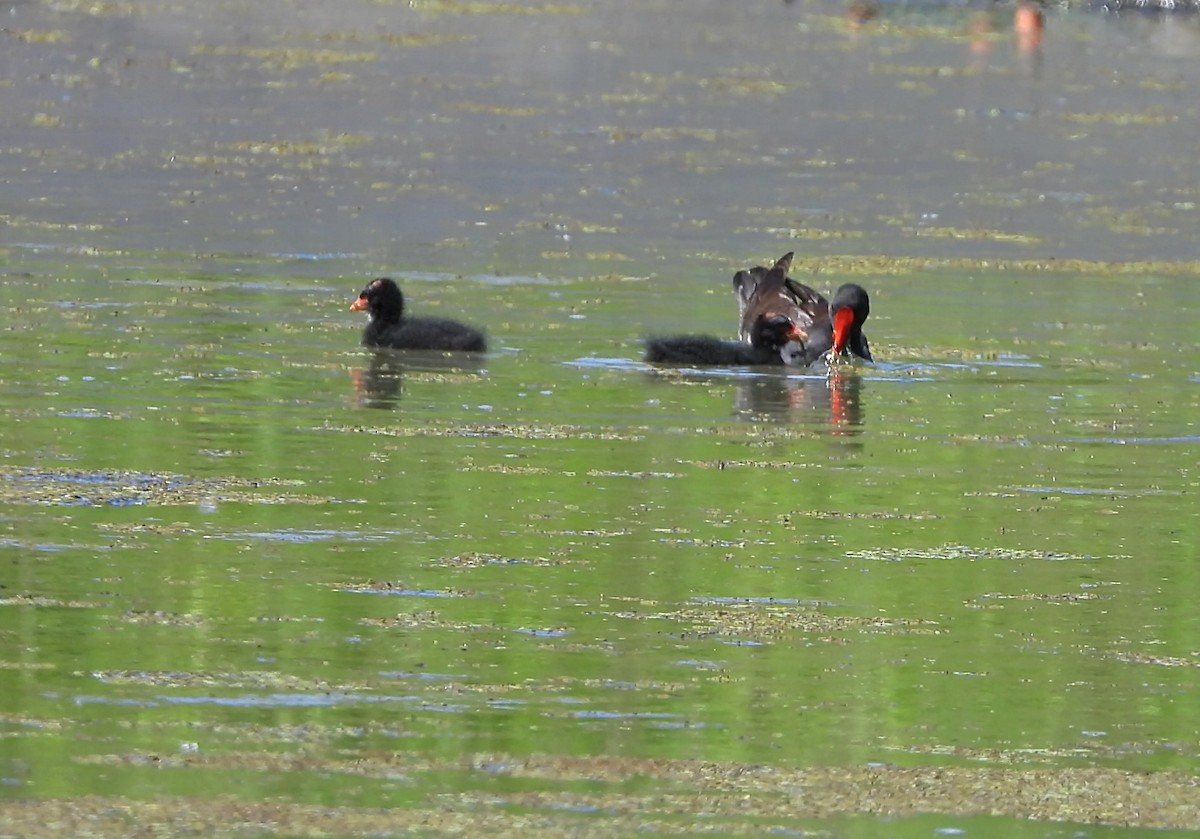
(849, 310)
(382, 300)
(777, 333)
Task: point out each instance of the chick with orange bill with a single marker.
(389, 328)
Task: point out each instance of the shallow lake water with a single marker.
(256, 580)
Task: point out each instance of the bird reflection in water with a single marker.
(835, 399)
(845, 402)
(380, 383)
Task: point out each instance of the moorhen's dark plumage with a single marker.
(761, 290)
(823, 325)
(388, 327)
(773, 340)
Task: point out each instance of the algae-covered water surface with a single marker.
(256, 580)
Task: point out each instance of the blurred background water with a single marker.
(258, 581)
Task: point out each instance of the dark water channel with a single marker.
(257, 581)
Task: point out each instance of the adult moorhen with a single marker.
(773, 340)
(388, 327)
